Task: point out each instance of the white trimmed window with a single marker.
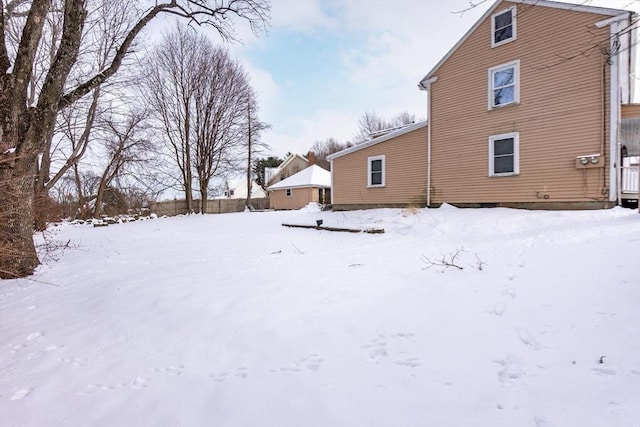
(375, 171)
(288, 192)
(503, 27)
(504, 157)
(504, 84)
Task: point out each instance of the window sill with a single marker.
(376, 186)
(498, 175)
(503, 42)
(499, 107)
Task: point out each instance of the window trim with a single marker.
(288, 192)
(516, 84)
(370, 160)
(514, 32)
(516, 153)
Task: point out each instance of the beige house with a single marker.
(311, 185)
(524, 111)
(293, 164)
(387, 171)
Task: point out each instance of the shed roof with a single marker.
(313, 176)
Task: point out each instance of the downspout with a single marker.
(427, 88)
(615, 24)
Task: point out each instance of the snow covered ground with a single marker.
(234, 320)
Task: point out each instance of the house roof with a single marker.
(313, 176)
(276, 171)
(239, 187)
(383, 138)
(536, 3)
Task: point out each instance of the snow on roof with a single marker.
(383, 138)
(313, 176)
(276, 171)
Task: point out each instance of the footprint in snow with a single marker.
(21, 394)
(511, 368)
(527, 339)
(604, 371)
(311, 363)
(34, 335)
(139, 383)
(170, 370)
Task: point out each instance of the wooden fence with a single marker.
(214, 206)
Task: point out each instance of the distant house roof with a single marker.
(237, 189)
(313, 176)
(383, 138)
(271, 172)
(536, 3)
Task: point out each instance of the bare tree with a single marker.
(322, 149)
(255, 146)
(370, 124)
(24, 126)
(221, 100)
(122, 147)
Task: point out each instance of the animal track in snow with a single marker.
(604, 371)
(170, 370)
(310, 363)
(527, 339)
(379, 351)
(21, 394)
(239, 373)
(34, 335)
(140, 383)
(511, 368)
(75, 361)
(499, 309)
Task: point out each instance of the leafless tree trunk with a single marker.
(24, 127)
(254, 130)
(123, 146)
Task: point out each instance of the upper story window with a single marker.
(288, 192)
(375, 171)
(503, 27)
(504, 156)
(504, 84)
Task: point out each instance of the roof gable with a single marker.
(313, 176)
(532, 3)
(383, 138)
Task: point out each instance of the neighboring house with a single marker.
(524, 111)
(311, 185)
(387, 171)
(293, 164)
(237, 189)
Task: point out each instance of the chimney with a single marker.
(311, 156)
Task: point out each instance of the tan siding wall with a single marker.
(405, 173)
(296, 165)
(559, 116)
(300, 197)
(630, 111)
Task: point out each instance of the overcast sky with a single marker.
(324, 62)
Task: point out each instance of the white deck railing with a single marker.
(630, 179)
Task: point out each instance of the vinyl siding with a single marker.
(559, 116)
(630, 110)
(405, 173)
(300, 197)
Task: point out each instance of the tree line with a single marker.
(78, 110)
